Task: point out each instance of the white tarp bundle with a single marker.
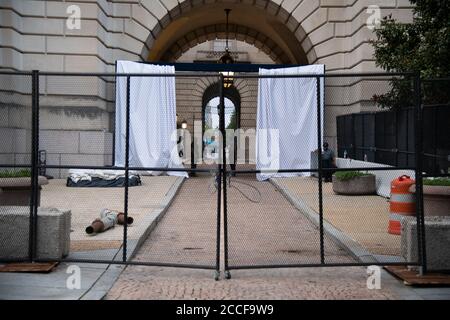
(152, 118)
(288, 105)
(87, 174)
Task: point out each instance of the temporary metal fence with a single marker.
(292, 222)
(385, 136)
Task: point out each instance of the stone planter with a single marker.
(436, 200)
(355, 186)
(17, 191)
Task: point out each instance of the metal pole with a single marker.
(435, 140)
(406, 136)
(32, 239)
(319, 160)
(224, 176)
(419, 181)
(192, 146)
(363, 145)
(219, 198)
(397, 132)
(127, 163)
(115, 119)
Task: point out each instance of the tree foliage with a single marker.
(233, 121)
(422, 46)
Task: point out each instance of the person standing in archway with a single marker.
(328, 162)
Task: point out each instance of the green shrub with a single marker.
(15, 173)
(437, 182)
(348, 175)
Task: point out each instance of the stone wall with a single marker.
(76, 148)
(34, 34)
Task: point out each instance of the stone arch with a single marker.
(279, 22)
(190, 103)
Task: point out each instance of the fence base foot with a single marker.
(422, 271)
(217, 275)
(227, 275)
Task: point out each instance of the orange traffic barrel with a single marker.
(402, 202)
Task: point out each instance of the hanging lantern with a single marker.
(227, 59)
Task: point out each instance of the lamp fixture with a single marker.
(226, 58)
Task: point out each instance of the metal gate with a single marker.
(299, 219)
(56, 122)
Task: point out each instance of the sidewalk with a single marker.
(144, 205)
(96, 280)
(139, 282)
(364, 219)
(149, 203)
(328, 283)
(187, 234)
(257, 235)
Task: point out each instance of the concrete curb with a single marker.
(340, 238)
(153, 219)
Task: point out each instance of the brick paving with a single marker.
(153, 283)
(267, 232)
(187, 232)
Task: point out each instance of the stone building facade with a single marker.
(77, 113)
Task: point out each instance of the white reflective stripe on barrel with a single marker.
(402, 197)
(397, 216)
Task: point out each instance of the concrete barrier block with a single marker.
(66, 233)
(53, 232)
(14, 230)
(51, 240)
(437, 233)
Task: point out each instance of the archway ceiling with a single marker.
(256, 25)
(218, 31)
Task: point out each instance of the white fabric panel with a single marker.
(152, 118)
(288, 105)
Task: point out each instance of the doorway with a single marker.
(211, 118)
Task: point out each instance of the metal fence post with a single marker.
(397, 133)
(127, 163)
(224, 176)
(219, 192)
(34, 198)
(319, 161)
(419, 179)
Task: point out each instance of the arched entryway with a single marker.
(232, 105)
(211, 113)
(268, 27)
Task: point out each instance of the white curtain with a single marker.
(287, 120)
(152, 118)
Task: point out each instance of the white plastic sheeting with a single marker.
(287, 120)
(152, 118)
